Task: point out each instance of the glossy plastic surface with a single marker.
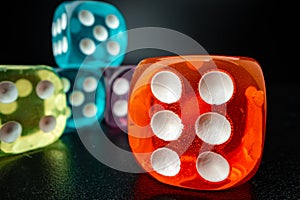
(89, 34)
(198, 121)
(32, 108)
(117, 84)
(85, 96)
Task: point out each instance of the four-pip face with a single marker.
(198, 121)
(32, 108)
(88, 33)
(85, 96)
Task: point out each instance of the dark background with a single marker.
(264, 30)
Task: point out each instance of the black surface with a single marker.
(264, 30)
(66, 170)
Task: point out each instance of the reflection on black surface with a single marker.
(54, 155)
(56, 160)
(66, 170)
(116, 136)
(37, 170)
(148, 188)
(110, 147)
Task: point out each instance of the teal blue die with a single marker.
(86, 97)
(88, 33)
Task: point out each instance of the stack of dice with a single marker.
(89, 44)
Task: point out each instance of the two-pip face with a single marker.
(117, 83)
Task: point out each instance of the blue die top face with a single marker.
(88, 33)
(86, 96)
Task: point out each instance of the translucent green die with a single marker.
(33, 109)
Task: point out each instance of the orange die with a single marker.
(198, 121)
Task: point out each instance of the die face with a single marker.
(32, 108)
(85, 96)
(198, 121)
(117, 84)
(88, 33)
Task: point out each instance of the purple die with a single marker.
(117, 82)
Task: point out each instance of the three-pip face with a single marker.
(88, 33)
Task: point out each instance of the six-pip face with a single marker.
(198, 121)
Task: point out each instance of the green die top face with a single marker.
(33, 109)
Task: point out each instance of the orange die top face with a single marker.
(198, 121)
